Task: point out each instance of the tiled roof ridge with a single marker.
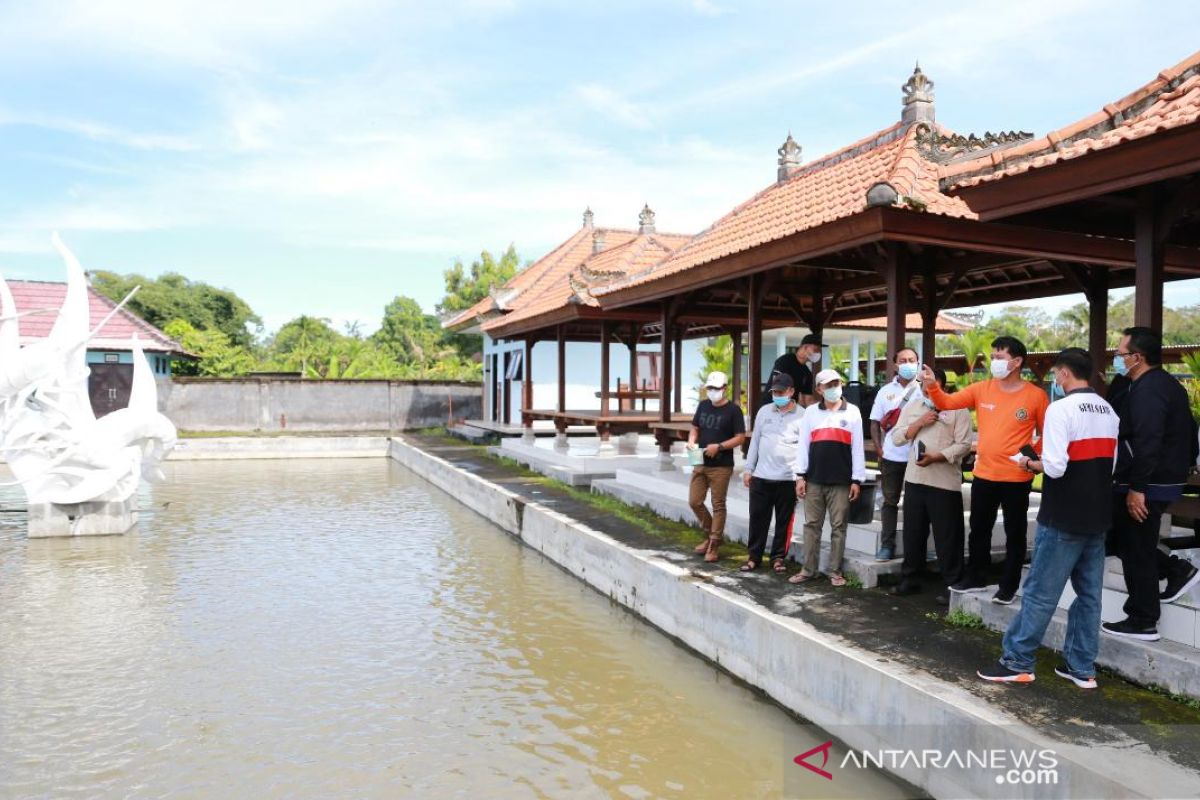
(154, 334)
(866, 144)
(152, 331)
(1110, 118)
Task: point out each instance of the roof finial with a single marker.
(789, 158)
(597, 241)
(646, 220)
(588, 217)
(918, 98)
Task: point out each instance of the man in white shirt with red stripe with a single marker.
(1078, 449)
(830, 467)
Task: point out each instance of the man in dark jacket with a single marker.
(799, 367)
(1154, 455)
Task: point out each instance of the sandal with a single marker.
(713, 554)
(800, 577)
(750, 566)
(779, 566)
(702, 548)
(837, 579)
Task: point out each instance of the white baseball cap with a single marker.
(827, 375)
(716, 380)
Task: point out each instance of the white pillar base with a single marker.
(560, 441)
(665, 462)
(96, 518)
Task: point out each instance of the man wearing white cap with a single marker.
(830, 467)
(718, 427)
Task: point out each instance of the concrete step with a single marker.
(473, 435)
(1178, 622)
(580, 464)
(1167, 664)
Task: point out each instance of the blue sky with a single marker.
(322, 156)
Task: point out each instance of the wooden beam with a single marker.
(665, 370)
(736, 364)
(1098, 323)
(604, 377)
(895, 272)
(562, 369)
(527, 384)
(677, 361)
(1148, 273)
(754, 333)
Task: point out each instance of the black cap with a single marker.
(781, 381)
(811, 338)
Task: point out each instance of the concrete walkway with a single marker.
(874, 670)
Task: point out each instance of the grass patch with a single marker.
(853, 581)
(964, 619)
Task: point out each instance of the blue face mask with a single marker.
(1056, 391)
(1119, 365)
(908, 371)
(781, 402)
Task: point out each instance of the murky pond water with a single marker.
(342, 628)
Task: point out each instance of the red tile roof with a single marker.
(1170, 101)
(117, 333)
(824, 191)
(574, 276)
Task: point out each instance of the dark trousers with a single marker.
(891, 483)
(1137, 545)
(769, 498)
(941, 509)
(988, 497)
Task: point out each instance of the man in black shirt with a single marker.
(797, 366)
(718, 426)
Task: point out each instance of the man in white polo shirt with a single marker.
(893, 458)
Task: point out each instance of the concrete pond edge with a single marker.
(859, 697)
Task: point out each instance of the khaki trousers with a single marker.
(705, 479)
(820, 499)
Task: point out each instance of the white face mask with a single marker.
(814, 357)
(832, 394)
(715, 395)
(1000, 368)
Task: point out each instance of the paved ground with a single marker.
(909, 630)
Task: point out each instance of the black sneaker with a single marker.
(1083, 683)
(942, 598)
(905, 588)
(1130, 630)
(998, 673)
(1183, 576)
(967, 585)
(1003, 598)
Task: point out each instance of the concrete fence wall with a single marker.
(291, 404)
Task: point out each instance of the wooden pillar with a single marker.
(677, 381)
(604, 349)
(896, 276)
(527, 385)
(664, 383)
(1148, 255)
(754, 333)
(736, 366)
(562, 368)
(634, 335)
(1098, 323)
(929, 314)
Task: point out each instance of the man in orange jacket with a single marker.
(1008, 411)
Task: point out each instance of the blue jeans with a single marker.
(1057, 557)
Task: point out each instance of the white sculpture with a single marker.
(79, 473)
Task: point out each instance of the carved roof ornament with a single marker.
(646, 220)
(597, 241)
(918, 97)
(945, 148)
(789, 157)
(588, 217)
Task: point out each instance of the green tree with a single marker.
(171, 296)
(411, 335)
(467, 286)
(218, 356)
(302, 343)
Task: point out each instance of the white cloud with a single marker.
(99, 132)
(614, 106)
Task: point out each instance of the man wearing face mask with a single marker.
(798, 367)
(1154, 455)
(1008, 412)
(718, 426)
(768, 475)
(893, 457)
(830, 467)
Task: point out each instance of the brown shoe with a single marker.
(713, 553)
(702, 548)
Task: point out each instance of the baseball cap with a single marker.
(781, 381)
(827, 375)
(717, 380)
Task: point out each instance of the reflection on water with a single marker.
(341, 628)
